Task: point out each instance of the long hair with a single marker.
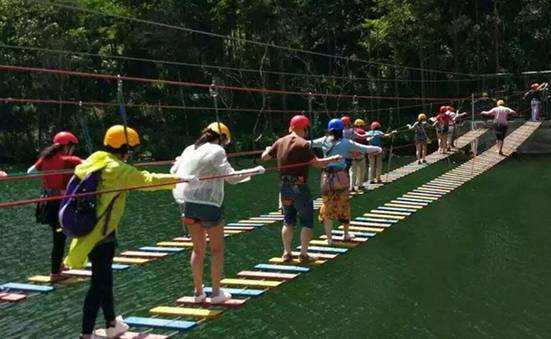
(50, 151)
(208, 135)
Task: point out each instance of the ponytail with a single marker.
(208, 135)
(50, 151)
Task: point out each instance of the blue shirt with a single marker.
(377, 137)
(343, 147)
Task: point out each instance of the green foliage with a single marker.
(458, 36)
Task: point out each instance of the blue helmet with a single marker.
(335, 125)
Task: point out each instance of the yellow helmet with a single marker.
(359, 123)
(421, 117)
(500, 102)
(221, 129)
(115, 137)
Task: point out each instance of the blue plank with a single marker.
(160, 323)
(238, 292)
(26, 287)
(161, 249)
(287, 268)
(325, 249)
(386, 221)
(360, 234)
(239, 224)
(116, 267)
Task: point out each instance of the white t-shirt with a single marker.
(501, 113)
(204, 161)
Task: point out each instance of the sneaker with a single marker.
(221, 297)
(119, 329)
(200, 298)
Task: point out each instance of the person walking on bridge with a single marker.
(500, 114)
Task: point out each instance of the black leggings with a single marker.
(100, 293)
(58, 248)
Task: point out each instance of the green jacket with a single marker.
(115, 174)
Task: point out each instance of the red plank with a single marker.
(12, 297)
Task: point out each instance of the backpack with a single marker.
(77, 215)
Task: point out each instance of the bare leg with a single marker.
(418, 150)
(216, 236)
(198, 237)
(346, 227)
(287, 238)
(424, 150)
(328, 225)
(305, 237)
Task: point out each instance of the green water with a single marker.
(472, 265)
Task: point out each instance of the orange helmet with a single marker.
(346, 120)
(65, 138)
(534, 86)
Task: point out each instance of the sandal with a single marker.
(287, 257)
(306, 258)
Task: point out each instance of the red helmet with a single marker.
(375, 125)
(346, 120)
(534, 86)
(64, 138)
(443, 109)
(300, 122)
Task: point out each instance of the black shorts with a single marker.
(501, 131)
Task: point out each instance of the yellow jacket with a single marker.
(115, 174)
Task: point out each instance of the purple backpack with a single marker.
(77, 215)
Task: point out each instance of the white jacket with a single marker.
(204, 161)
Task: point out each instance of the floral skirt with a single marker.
(336, 206)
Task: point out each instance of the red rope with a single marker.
(131, 188)
(139, 164)
(203, 85)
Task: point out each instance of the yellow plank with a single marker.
(434, 189)
(123, 260)
(335, 243)
(40, 279)
(385, 215)
(250, 282)
(420, 199)
(175, 244)
(295, 262)
(409, 203)
(184, 312)
(365, 229)
(424, 195)
(233, 231)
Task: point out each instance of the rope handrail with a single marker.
(105, 76)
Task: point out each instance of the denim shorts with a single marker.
(297, 202)
(208, 215)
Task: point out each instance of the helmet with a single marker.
(375, 125)
(116, 137)
(359, 123)
(300, 122)
(422, 117)
(346, 120)
(500, 102)
(64, 138)
(335, 125)
(221, 129)
(443, 109)
(534, 86)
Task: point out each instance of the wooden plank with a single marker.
(39, 279)
(239, 228)
(434, 189)
(190, 301)
(324, 249)
(409, 196)
(161, 249)
(404, 206)
(245, 224)
(397, 209)
(12, 297)
(175, 244)
(369, 224)
(135, 261)
(414, 200)
(233, 231)
(386, 214)
(378, 219)
(321, 256)
(341, 238)
(335, 243)
(250, 282)
(278, 260)
(78, 273)
(357, 234)
(144, 254)
(170, 324)
(238, 292)
(184, 312)
(258, 222)
(26, 287)
(409, 203)
(268, 219)
(101, 333)
(280, 268)
(363, 229)
(267, 275)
